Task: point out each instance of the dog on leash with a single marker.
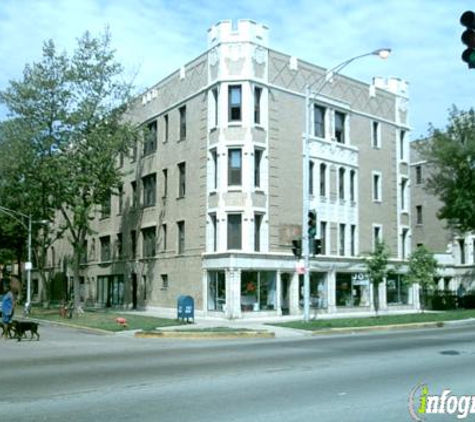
(22, 327)
(6, 330)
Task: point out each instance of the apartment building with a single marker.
(454, 251)
(212, 196)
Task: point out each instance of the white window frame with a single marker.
(377, 191)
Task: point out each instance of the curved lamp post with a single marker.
(382, 53)
(28, 265)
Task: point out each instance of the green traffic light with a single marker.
(468, 56)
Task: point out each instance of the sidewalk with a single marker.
(251, 325)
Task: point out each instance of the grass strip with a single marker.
(106, 320)
(372, 321)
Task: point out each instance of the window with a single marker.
(404, 189)
(216, 290)
(106, 207)
(323, 236)
(353, 240)
(461, 243)
(419, 175)
(234, 101)
(340, 127)
(214, 92)
(149, 242)
(419, 219)
(181, 180)
(257, 167)
(181, 236)
(257, 232)
(341, 183)
(311, 166)
(234, 167)
(377, 187)
(164, 237)
(342, 239)
(375, 135)
(149, 184)
(402, 146)
(214, 158)
(164, 278)
(106, 248)
(404, 242)
(133, 243)
(377, 236)
(150, 138)
(257, 105)
(352, 186)
(323, 179)
(319, 121)
(182, 111)
(119, 246)
(234, 231)
(133, 185)
(165, 182)
(165, 128)
(214, 224)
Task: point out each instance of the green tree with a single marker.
(422, 270)
(377, 269)
(450, 154)
(68, 110)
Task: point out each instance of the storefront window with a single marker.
(216, 291)
(258, 291)
(318, 290)
(110, 290)
(352, 289)
(397, 290)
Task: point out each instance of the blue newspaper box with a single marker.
(186, 308)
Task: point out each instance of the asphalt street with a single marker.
(76, 375)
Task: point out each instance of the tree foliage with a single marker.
(377, 269)
(66, 114)
(422, 269)
(450, 154)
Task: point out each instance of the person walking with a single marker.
(8, 309)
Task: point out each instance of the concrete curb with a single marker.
(204, 334)
(416, 325)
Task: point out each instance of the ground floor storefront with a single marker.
(248, 287)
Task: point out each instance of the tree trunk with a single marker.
(376, 297)
(76, 280)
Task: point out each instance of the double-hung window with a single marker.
(235, 103)
(234, 167)
(319, 121)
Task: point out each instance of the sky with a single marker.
(153, 38)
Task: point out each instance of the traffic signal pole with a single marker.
(306, 208)
(382, 53)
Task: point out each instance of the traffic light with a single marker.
(317, 246)
(468, 38)
(297, 248)
(312, 224)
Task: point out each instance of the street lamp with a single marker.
(28, 265)
(382, 53)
